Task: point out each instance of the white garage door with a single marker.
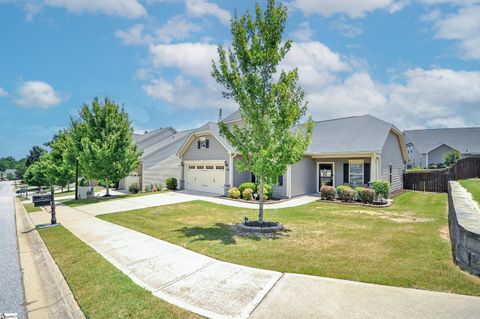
(205, 177)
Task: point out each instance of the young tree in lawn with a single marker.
(20, 169)
(271, 102)
(62, 159)
(103, 141)
(36, 174)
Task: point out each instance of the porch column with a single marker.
(374, 168)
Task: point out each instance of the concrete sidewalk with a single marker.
(217, 289)
(120, 205)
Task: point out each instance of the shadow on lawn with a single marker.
(221, 232)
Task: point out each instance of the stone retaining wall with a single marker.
(464, 224)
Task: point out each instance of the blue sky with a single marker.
(413, 63)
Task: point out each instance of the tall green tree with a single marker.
(7, 163)
(102, 138)
(271, 102)
(36, 174)
(34, 155)
(20, 169)
(61, 158)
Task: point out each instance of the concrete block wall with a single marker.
(464, 225)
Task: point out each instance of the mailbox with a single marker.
(41, 200)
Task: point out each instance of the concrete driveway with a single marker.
(167, 198)
(217, 289)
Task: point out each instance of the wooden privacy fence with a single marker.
(437, 180)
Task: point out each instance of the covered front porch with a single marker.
(353, 170)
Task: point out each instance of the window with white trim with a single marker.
(355, 172)
(191, 167)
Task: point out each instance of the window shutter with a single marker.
(280, 180)
(366, 173)
(207, 142)
(345, 173)
(198, 144)
(253, 178)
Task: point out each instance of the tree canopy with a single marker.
(102, 142)
(34, 155)
(271, 103)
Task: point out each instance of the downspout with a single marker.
(426, 160)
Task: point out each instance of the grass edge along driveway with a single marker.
(406, 245)
(101, 290)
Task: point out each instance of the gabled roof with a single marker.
(466, 140)
(208, 128)
(234, 117)
(356, 134)
(164, 143)
(149, 138)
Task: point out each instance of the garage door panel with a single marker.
(205, 177)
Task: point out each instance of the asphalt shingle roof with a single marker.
(466, 140)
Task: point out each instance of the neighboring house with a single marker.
(4, 174)
(429, 146)
(159, 160)
(352, 151)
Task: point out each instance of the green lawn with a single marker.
(87, 201)
(31, 209)
(473, 186)
(102, 290)
(404, 245)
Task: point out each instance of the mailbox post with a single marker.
(52, 205)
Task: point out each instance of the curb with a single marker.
(47, 294)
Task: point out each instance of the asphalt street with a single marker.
(11, 287)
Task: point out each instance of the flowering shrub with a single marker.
(247, 194)
(234, 193)
(346, 193)
(250, 185)
(366, 195)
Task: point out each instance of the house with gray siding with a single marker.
(347, 151)
(428, 147)
(159, 159)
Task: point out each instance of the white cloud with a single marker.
(132, 36)
(130, 9)
(182, 93)
(303, 33)
(177, 28)
(199, 8)
(317, 64)
(2, 92)
(192, 59)
(37, 94)
(462, 26)
(32, 9)
(346, 29)
(353, 9)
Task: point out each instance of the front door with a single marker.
(325, 174)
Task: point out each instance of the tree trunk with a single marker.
(260, 208)
(108, 187)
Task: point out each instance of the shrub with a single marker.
(134, 188)
(171, 183)
(451, 158)
(340, 191)
(328, 192)
(247, 194)
(246, 185)
(267, 190)
(234, 193)
(366, 195)
(349, 194)
(149, 188)
(157, 187)
(381, 188)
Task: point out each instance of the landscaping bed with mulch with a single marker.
(355, 203)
